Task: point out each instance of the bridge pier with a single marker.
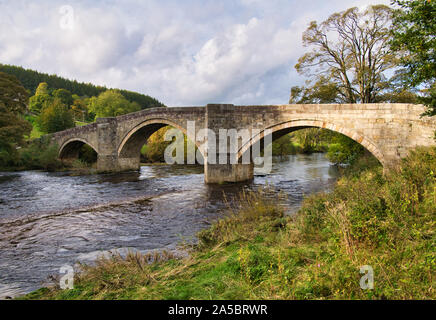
(129, 164)
(107, 159)
(107, 163)
(222, 173)
(217, 118)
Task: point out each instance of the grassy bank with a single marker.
(258, 252)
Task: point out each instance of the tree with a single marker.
(12, 94)
(156, 146)
(41, 97)
(13, 128)
(42, 89)
(350, 54)
(55, 117)
(322, 91)
(111, 103)
(80, 110)
(63, 95)
(414, 38)
(283, 146)
(398, 91)
(308, 138)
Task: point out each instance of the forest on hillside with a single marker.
(30, 79)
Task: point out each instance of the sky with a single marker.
(182, 52)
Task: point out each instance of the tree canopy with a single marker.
(41, 97)
(55, 117)
(111, 103)
(414, 38)
(12, 94)
(13, 127)
(31, 80)
(321, 91)
(64, 96)
(349, 56)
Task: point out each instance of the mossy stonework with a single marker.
(388, 131)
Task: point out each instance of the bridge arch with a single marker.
(132, 142)
(70, 148)
(283, 128)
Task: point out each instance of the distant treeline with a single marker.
(31, 79)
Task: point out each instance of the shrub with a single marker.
(40, 154)
(344, 150)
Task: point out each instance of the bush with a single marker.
(48, 158)
(8, 157)
(87, 154)
(39, 154)
(344, 150)
(284, 146)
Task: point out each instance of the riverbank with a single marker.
(257, 252)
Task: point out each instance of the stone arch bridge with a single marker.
(388, 131)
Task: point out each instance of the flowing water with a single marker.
(51, 219)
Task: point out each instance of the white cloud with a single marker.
(183, 53)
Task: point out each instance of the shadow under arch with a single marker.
(131, 144)
(283, 128)
(70, 149)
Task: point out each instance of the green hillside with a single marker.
(31, 79)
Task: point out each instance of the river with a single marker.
(51, 219)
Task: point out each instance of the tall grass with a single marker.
(247, 209)
(383, 220)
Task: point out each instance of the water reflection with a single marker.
(49, 219)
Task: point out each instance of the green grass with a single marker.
(80, 123)
(35, 133)
(257, 252)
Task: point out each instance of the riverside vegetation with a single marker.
(257, 251)
(41, 154)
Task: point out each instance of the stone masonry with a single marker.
(388, 131)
